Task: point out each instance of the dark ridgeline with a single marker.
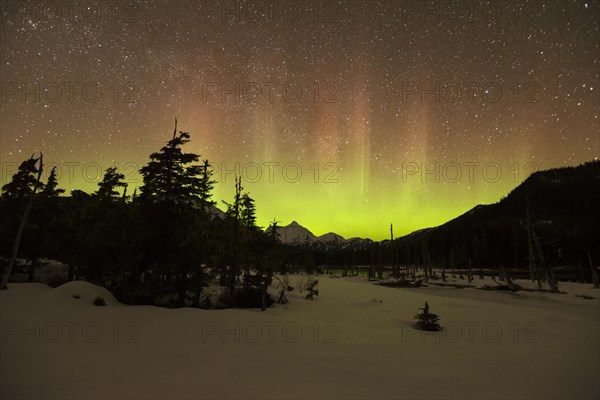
(547, 225)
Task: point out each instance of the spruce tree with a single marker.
(427, 321)
(107, 188)
(175, 237)
(45, 217)
(247, 211)
(312, 289)
(169, 175)
(206, 183)
(247, 248)
(234, 238)
(50, 189)
(234, 209)
(23, 182)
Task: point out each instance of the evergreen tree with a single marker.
(249, 250)
(169, 175)
(110, 182)
(73, 241)
(234, 209)
(427, 321)
(267, 250)
(234, 238)
(14, 198)
(44, 218)
(50, 189)
(312, 289)
(247, 211)
(24, 181)
(175, 239)
(206, 183)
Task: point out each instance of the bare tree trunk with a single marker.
(425, 260)
(236, 237)
(265, 287)
(547, 269)
(533, 273)
(552, 280)
(511, 285)
(470, 272)
(17, 243)
(380, 266)
(394, 272)
(32, 265)
(196, 300)
(595, 279)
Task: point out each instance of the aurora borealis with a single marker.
(344, 116)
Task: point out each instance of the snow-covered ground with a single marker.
(355, 340)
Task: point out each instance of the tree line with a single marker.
(161, 246)
(168, 242)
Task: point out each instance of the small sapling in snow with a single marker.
(427, 321)
(312, 289)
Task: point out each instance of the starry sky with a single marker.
(345, 116)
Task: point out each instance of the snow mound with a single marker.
(83, 292)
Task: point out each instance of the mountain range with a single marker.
(563, 213)
(294, 233)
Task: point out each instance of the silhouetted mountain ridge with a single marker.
(564, 213)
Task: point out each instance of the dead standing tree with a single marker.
(595, 279)
(392, 252)
(533, 270)
(538, 268)
(17, 243)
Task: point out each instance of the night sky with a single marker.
(344, 116)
